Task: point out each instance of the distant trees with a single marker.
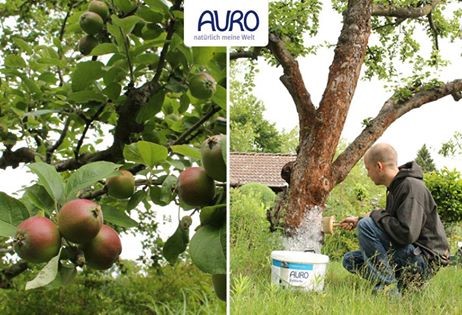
(425, 160)
(250, 131)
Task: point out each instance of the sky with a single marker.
(431, 124)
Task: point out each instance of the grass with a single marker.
(344, 293)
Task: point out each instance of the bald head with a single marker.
(382, 152)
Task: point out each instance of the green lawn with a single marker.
(344, 293)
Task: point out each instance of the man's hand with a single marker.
(349, 223)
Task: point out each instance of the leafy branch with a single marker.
(88, 123)
(55, 146)
(186, 136)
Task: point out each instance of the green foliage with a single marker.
(178, 289)
(259, 192)
(453, 146)
(356, 195)
(292, 20)
(250, 131)
(425, 160)
(251, 241)
(446, 188)
(208, 249)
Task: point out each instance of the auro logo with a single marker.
(226, 23)
(299, 274)
(248, 21)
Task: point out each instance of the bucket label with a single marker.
(289, 265)
(308, 276)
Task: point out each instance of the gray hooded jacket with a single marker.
(410, 216)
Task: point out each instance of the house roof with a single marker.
(264, 168)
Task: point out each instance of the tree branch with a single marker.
(61, 36)
(163, 53)
(403, 12)
(53, 148)
(7, 274)
(13, 158)
(434, 30)
(343, 77)
(391, 110)
(293, 81)
(214, 109)
(254, 53)
(88, 123)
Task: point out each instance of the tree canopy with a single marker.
(133, 99)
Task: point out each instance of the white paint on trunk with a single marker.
(308, 236)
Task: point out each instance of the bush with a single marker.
(176, 289)
(259, 192)
(446, 188)
(251, 241)
(356, 195)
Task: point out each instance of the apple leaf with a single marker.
(213, 215)
(12, 212)
(86, 96)
(36, 197)
(46, 275)
(66, 273)
(219, 97)
(86, 73)
(6, 229)
(126, 24)
(187, 150)
(152, 153)
(103, 49)
(176, 244)
(88, 175)
(135, 199)
(208, 249)
(49, 178)
(118, 217)
(152, 107)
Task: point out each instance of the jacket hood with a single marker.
(410, 169)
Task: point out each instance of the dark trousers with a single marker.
(380, 262)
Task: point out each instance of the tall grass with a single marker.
(344, 293)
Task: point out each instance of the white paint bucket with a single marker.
(302, 270)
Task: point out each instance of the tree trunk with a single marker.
(312, 179)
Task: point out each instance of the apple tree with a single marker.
(106, 106)
(376, 38)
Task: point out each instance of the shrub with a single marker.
(260, 192)
(176, 289)
(251, 241)
(446, 188)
